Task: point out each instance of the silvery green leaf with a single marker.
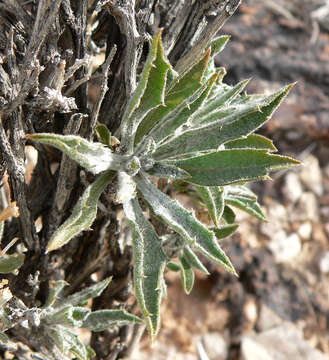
(78, 348)
(180, 89)
(163, 170)
(103, 135)
(95, 157)
(226, 115)
(147, 147)
(210, 136)
(90, 352)
(56, 316)
(183, 222)
(218, 86)
(172, 245)
(68, 341)
(149, 265)
(183, 112)
(57, 334)
(3, 338)
(11, 263)
(55, 288)
(253, 141)
(5, 319)
(207, 136)
(240, 190)
(228, 215)
(102, 319)
(83, 214)
(149, 93)
(126, 188)
(187, 275)
(72, 316)
(79, 313)
(193, 260)
(231, 166)
(246, 204)
(171, 265)
(213, 197)
(222, 98)
(224, 230)
(218, 44)
(82, 296)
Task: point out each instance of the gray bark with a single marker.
(44, 74)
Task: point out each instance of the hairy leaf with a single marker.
(164, 170)
(228, 215)
(149, 265)
(225, 230)
(231, 166)
(171, 265)
(126, 188)
(55, 288)
(95, 157)
(83, 215)
(216, 46)
(182, 113)
(232, 126)
(3, 338)
(103, 135)
(182, 221)
(187, 275)
(102, 319)
(223, 97)
(213, 197)
(180, 89)
(86, 294)
(240, 190)
(66, 340)
(244, 201)
(71, 316)
(252, 141)
(193, 260)
(11, 263)
(149, 93)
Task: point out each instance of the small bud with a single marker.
(133, 166)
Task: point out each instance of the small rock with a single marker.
(306, 209)
(285, 248)
(319, 234)
(277, 211)
(161, 351)
(284, 342)
(217, 317)
(305, 230)
(252, 350)
(324, 211)
(215, 346)
(267, 318)
(292, 188)
(278, 219)
(324, 263)
(250, 310)
(311, 175)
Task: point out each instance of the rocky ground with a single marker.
(278, 308)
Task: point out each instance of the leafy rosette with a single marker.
(190, 127)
